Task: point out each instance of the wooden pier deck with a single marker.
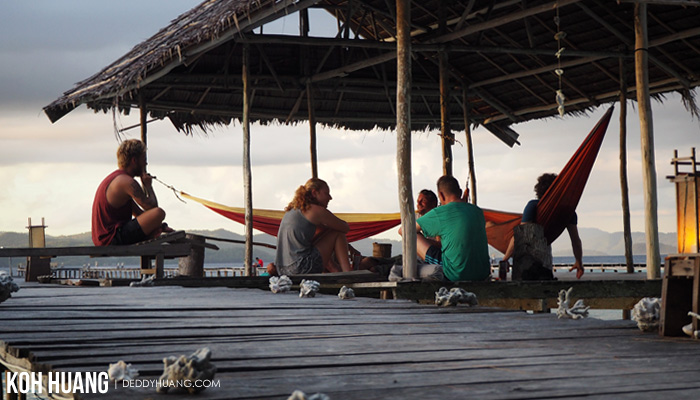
(267, 345)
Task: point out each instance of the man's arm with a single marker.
(144, 199)
(577, 248)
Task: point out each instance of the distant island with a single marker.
(595, 243)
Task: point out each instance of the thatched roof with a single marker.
(501, 57)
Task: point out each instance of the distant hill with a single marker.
(595, 243)
(600, 243)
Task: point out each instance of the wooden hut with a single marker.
(435, 64)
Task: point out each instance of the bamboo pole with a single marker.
(247, 175)
(304, 32)
(647, 141)
(312, 131)
(624, 187)
(144, 120)
(403, 138)
(470, 148)
(445, 130)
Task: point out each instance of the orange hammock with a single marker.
(558, 204)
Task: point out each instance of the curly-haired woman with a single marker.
(309, 234)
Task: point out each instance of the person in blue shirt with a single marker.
(544, 181)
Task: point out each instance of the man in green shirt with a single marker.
(463, 253)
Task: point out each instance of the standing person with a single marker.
(461, 227)
(300, 249)
(119, 197)
(427, 200)
(544, 181)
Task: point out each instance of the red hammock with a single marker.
(558, 204)
(554, 209)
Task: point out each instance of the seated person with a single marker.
(463, 253)
(544, 181)
(119, 197)
(309, 234)
(427, 200)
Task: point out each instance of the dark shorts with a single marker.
(433, 255)
(129, 233)
(311, 264)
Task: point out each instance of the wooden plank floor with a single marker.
(267, 345)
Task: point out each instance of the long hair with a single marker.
(544, 181)
(304, 196)
(132, 148)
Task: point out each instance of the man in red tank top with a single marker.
(119, 197)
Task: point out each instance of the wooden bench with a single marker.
(173, 245)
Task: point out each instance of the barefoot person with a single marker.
(300, 249)
(119, 197)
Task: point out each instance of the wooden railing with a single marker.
(135, 272)
(129, 272)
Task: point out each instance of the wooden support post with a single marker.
(647, 141)
(304, 32)
(403, 138)
(624, 189)
(144, 117)
(445, 129)
(247, 175)
(312, 131)
(160, 265)
(470, 148)
(193, 265)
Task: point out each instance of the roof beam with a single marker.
(501, 21)
(630, 44)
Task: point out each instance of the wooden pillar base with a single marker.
(37, 266)
(680, 293)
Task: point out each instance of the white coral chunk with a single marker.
(179, 370)
(578, 311)
(121, 371)
(445, 298)
(7, 286)
(308, 288)
(688, 329)
(280, 284)
(299, 395)
(647, 314)
(346, 293)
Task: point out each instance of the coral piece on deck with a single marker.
(308, 288)
(346, 293)
(196, 367)
(445, 298)
(280, 284)
(299, 395)
(577, 311)
(688, 329)
(647, 314)
(7, 286)
(121, 371)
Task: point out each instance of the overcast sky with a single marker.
(52, 170)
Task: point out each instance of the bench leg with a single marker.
(160, 260)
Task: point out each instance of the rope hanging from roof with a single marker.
(559, 36)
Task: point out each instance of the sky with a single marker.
(51, 171)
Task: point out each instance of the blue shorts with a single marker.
(433, 255)
(129, 233)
